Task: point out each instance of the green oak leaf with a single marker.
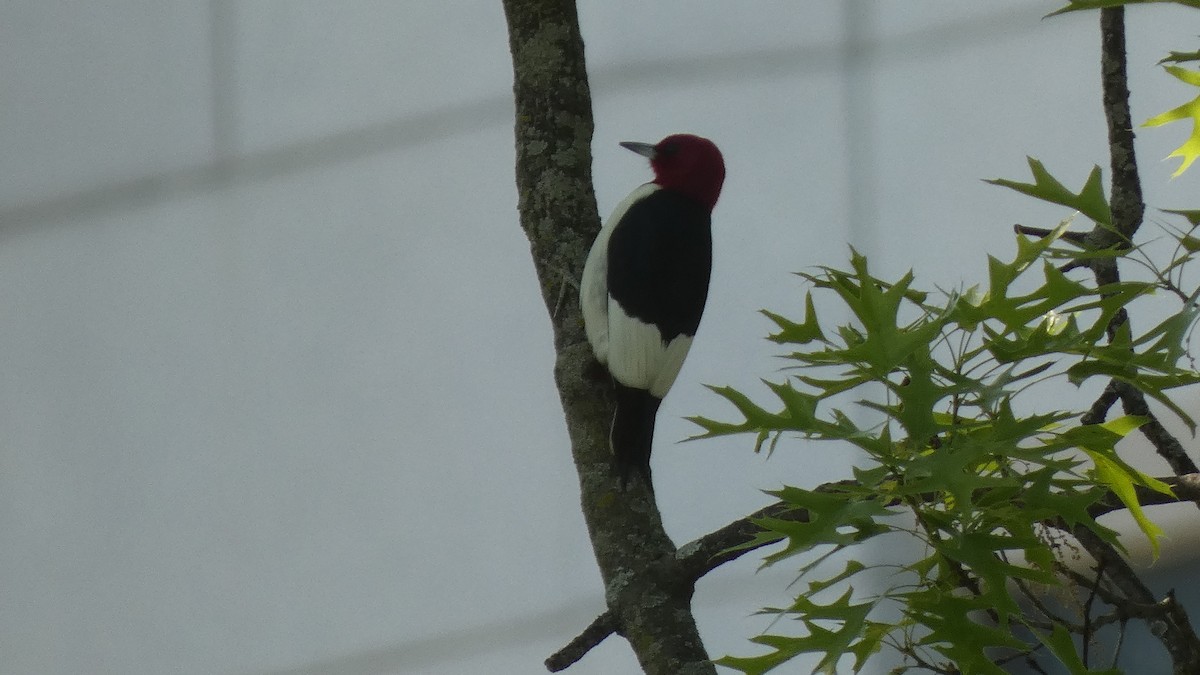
(1190, 149)
(1090, 201)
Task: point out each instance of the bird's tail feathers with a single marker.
(633, 432)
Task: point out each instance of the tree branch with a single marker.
(1126, 187)
(1100, 407)
(593, 635)
(1168, 447)
(1125, 198)
(703, 555)
(1167, 618)
(558, 213)
(1128, 207)
(1077, 238)
(648, 582)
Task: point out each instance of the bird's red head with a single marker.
(688, 164)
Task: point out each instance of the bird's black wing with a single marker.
(660, 260)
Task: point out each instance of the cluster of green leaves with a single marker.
(947, 459)
(1190, 150)
(1078, 5)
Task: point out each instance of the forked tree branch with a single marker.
(648, 582)
(1125, 198)
(1167, 616)
(703, 555)
(558, 213)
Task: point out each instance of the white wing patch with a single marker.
(593, 288)
(638, 356)
(593, 295)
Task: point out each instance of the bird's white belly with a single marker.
(637, 355)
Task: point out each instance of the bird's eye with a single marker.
(668, 149)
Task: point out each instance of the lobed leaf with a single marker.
(850, 633)
(1077, 5)
(1090, 201)
(797, 333)
(1190, 149)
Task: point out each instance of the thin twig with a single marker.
(594, 634)
(1120, 641)
(1086, 635)
(1077, 238)
(1167, 619)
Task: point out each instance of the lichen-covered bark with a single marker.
(558, 213)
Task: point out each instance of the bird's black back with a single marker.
(660, 260)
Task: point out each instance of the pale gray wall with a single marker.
(275, 389)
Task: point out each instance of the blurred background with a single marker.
(275, 374)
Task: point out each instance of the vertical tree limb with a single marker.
(1126, 187)
(1170, 623)
(650, 600)
(1128, 208)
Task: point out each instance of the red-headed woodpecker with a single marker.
(645, 283)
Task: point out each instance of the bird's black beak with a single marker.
(643, 149)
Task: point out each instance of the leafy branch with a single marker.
(950, 461)
(945, 448)
(744, 535)
(991, 493)
(1190, 149)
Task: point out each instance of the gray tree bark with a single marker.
(649, 600)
